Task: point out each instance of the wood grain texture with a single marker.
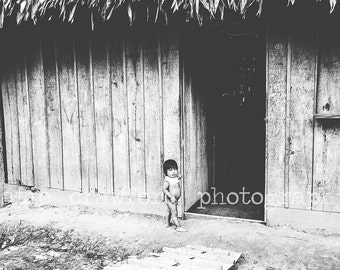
(326, 180)
(103, 111)
(2, 146)
(86, 111)
(191, 188)
(135, 93)
(69, 109)
(119, 113)
(35, 77)
(300, 137)
(170, 68)
(54, 125)
(276, 99)
(10, 90)
(153, 117)
(328, 94)
(25, 136)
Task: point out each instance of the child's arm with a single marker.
(166, 189)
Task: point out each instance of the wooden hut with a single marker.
(237, 102)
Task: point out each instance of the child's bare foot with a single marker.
(180, 229)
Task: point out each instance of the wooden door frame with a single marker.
(182, 114)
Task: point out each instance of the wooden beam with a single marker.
(2, 153)
(2, 159)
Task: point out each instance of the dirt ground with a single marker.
(78, 237)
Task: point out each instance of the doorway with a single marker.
(233, 64)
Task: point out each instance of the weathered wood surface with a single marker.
(103, 112)
(25, 141)
(69, 108)
(53, 114)
(188, 257)
(37, 101)
(135, 92)
(301, 112)
(153, 114)
(328, 94)
(276, 114)
(2, 146)
(86, 111)
(120, 114)
(81, 106)
(170, 68)
(189, 142)
(326, 180)
(195, 124)
(10, 88)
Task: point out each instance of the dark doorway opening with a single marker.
(234, 70)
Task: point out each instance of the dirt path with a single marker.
(83, 238)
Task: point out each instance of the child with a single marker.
(172, 192)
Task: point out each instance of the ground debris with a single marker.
(27, 247)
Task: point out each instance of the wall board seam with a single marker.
(316, 83)
(127, 111)
(143, 94)
(94, 112)
(287, 122)
(60, 114)
(78, 110)
(161, 109)
(266, 123)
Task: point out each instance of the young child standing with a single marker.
(172, 192)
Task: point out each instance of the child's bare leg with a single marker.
(173, 209)
(168, 217)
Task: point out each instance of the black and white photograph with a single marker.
(169, 134)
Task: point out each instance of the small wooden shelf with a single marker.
(327, 116)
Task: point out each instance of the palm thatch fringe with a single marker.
(65, 9)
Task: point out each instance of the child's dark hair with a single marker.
(169, 164)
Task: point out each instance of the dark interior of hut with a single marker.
(235, 68)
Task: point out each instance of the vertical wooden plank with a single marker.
(301, 104)
(326, 187)
(2, 158)
(103, 111)
(197, 122)
(2, 136)
(69, 108)
(191, 175)
(170, 86)
(35, 77)
(171, 96)
(25, 136)
(119, 112)
(54, 125)
(326, 183)
(276, 98)
(11, 113)
(152, 116)
(86, 110)
(328, 95)
(202, 139)
(135, 112)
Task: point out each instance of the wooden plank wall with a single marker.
(303, 157)
(91, 111)
(277, 56)
(326, 181)
(300, 109)
(195, 121)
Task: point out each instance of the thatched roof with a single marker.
(25, 10)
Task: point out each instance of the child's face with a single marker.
(172, 172)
